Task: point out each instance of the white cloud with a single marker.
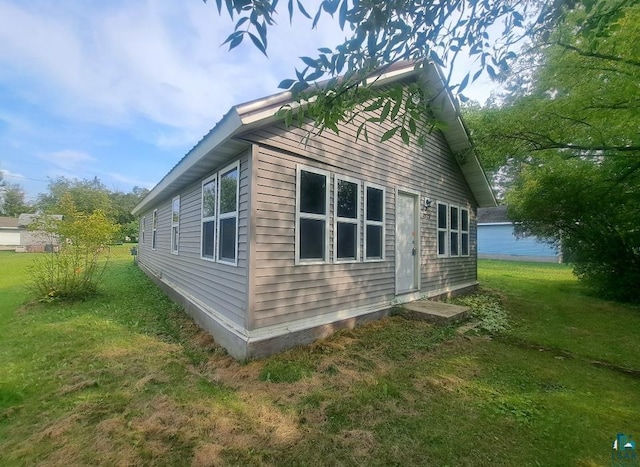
(68, 160)
(156, 59)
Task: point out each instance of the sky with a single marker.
(122, 90)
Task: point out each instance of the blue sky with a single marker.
(122, 90)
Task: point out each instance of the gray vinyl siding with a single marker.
(221, 286)
(284, 291)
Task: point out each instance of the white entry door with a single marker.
(407, 243)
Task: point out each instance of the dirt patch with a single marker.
(77, 386)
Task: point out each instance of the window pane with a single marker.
(442, 216)
(375, 202)
(347, 199)
(227, 249)
(442, 237)
(228, 191)
(209, 199)
(454, 243)
(208, 236)
(347, 240)
(153, 240)
(313, 192)
(312, 239)
(155, 219)
(175, 208)
(374, 241)
(174, 238)
(454, 218)
(465, 244)
(465, 219)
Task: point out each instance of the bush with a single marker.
(74, 268)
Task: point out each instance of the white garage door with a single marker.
(10, 238)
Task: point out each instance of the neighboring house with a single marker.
(10, 232)
(270, 243)
(16, 235)
(497, 239)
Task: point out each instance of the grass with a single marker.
(126, 379)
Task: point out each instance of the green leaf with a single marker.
(389, 134)
(286, 83)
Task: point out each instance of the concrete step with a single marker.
(436, 312)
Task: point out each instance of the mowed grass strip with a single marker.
(126, 379)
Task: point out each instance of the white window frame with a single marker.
(444, 229)
(154, 229)
(453, 231)
(346, 220)
(175, 225)
(465, 232)
(375, 223)
(212, 178)
(303, 215)
(227, 215)
(143, 223)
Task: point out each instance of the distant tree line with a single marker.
(87, 196)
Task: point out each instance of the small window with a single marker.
(464, 232)
(228, 215)
(175, 224)
(347, 219)
(312, 214)
(443, 225)
(454, 231)
(143, 223)
(209, 217)
(154, 229)
(374, 223)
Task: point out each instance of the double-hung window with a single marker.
(154, 229)
(228, 214)
(443, 228)
(454, 231)
(209, 192)
(374, 211)
(143, 223)
(175, 224)
(464, 232)
(312, 215)
(347, 219)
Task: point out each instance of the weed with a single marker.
(488, 310)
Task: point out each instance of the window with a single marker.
(454, 231)
(228, 214)
(312, 214)
(143, 223)
(175, 224)
(374, 198)
(453, 227)
(209, 217)
(154, 228)
(443, 226)
(464, 232)
(347, 219)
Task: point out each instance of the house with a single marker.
(16, 235)
(9, 233)
(497, 239)
(269, 242)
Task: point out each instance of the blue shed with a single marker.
(497, 240)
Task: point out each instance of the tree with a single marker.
(12, 199)
(87, 195)
(122, 204)
(383, 33)
(569, 133)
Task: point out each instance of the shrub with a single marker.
(74, 268)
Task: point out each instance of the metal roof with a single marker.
(220, 144)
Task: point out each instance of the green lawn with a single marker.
(126, 379)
